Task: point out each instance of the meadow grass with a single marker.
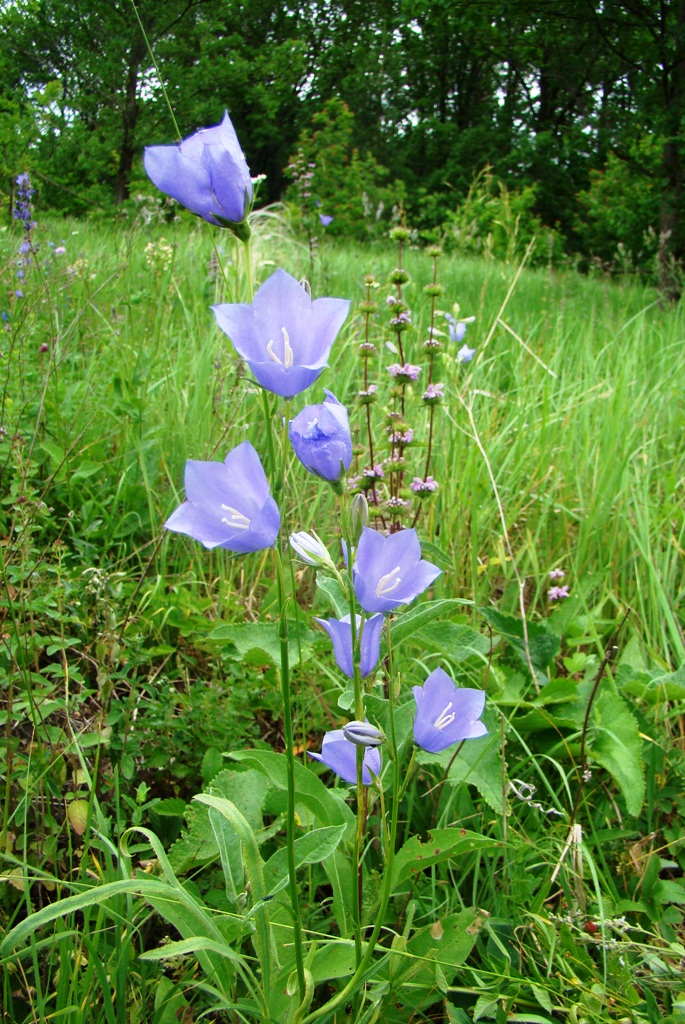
(558, 445)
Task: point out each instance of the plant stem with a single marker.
(290, 772)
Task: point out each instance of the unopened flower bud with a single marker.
(363, 734)
(311, 549)
(359, 510)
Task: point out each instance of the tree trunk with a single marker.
(129, 119)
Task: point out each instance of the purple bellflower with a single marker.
(340, 755)
(321, 437)
(325, 219)
(340, 632)
(457, 328)
(389, 571)
(283, 336)
(446, 714)
(228, 504)
(465, 354)
(207, 174)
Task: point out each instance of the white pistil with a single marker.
(444, 719)
(236, 520)
(287, 350)
(288, 354)
(384, 586)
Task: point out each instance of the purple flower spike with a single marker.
(206, 173)
(340, 755)
(321, 437)
(283, 336)
(389, 571)
(446, 714)
(228, 504)
(340, 632)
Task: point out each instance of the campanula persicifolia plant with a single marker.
(262, 958)
(285, 337)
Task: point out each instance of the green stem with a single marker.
(348, 991)
(290, 773)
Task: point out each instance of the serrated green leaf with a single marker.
(408, 623)
(615, 744)
(654, 687)
(262, 637)
(313, 798)
(335, 594)
(312, 848)
(457, 642)
(198, 843)
(443, 844)
(441, 946)
(542, 643)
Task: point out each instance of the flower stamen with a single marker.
(444, 719)
(236, 520)
(272, 354)
(288, 354)
(384, 586)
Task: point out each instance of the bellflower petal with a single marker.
(206, 173)
(283, 335)
(446, 714)
(340, 632)
(320, 436)
(340, 755)
(389, 571)
(228, 504)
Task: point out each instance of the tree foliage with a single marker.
(558, 99)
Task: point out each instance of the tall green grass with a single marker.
(576, 402)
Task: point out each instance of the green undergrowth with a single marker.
(132, 661)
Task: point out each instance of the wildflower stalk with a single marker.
(353, 985)
(290, 772)
(359, 716)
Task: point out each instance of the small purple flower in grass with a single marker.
(465, 354)
(340, 632)
(325, 219)
(446, 714)
(340, 755)
(557, 574)
(404, 374)
(389, 571)
(206, 173)
(558, 593)
(434, 393)
(320, 436)
(228, 504)
(283, 336)
(60, 250)
(423, 487)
